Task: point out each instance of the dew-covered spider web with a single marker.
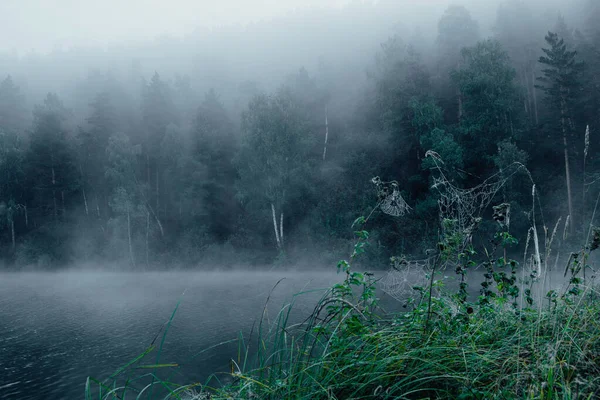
(465, 206)
(390, 199)
(404, 276)
(460, 211)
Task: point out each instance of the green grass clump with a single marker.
(510, 342)
(491, 352)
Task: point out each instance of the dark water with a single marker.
(58, 329)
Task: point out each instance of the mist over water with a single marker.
(59, 328)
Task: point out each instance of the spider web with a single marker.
(390, 199)
(403, 276)
(465, 206)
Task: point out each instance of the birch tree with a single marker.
(12, 190)
(276, 160)
(51, 167)
(128, 209)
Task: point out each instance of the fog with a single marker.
(136, 132)
(151, 148)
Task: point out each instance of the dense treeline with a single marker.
(151, 173)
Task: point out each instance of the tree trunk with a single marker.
(586, 145)
(162, 232)
(12, 233)
(567, 169)
(326, 134)
(148, 167)
(460, 105)
(275, 227)
(85, 203)
(54, 195)
(55, 206)
(147, 239)
(525, 84)
(281, 229)
(535, 102)
(97, 205)
(131, 257)
(157, 193)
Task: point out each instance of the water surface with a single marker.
(56, 329)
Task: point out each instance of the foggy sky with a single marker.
(44, 25)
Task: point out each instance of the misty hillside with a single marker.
(253, 144)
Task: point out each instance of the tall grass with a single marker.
(507, 343)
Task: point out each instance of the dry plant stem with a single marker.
(536, 244)
(587, 239)
(431, 279)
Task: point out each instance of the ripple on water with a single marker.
(60, 328)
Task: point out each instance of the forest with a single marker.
(249, 149)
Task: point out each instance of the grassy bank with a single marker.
(515, 340)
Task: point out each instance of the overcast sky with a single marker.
(44, 24)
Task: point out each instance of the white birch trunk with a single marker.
(85, 203)
(55, 205)
(132, 258)
(281, 229)
(326, 134)
(157, 192)
(535, 102)
(275, 226)
(97, 206)
(12, 233)
(147, 239)
(54, 195)
(536, 242)
(567, 167)
(162, 232)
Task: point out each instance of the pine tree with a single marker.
(456, 30)
(517, 30)
(214, 148)
(158, 112)
(52, 177)
(93, 143)
(491, 103)
(562, 84)
(12, 107)
(12, 188)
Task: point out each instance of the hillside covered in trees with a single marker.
(228, 148)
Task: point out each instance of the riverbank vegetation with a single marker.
(518, 338)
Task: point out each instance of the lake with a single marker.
(56, 329)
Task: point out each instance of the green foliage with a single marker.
(485, 350)
(443, 143)
(13, 118)
(490, 101)
(562, 76)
